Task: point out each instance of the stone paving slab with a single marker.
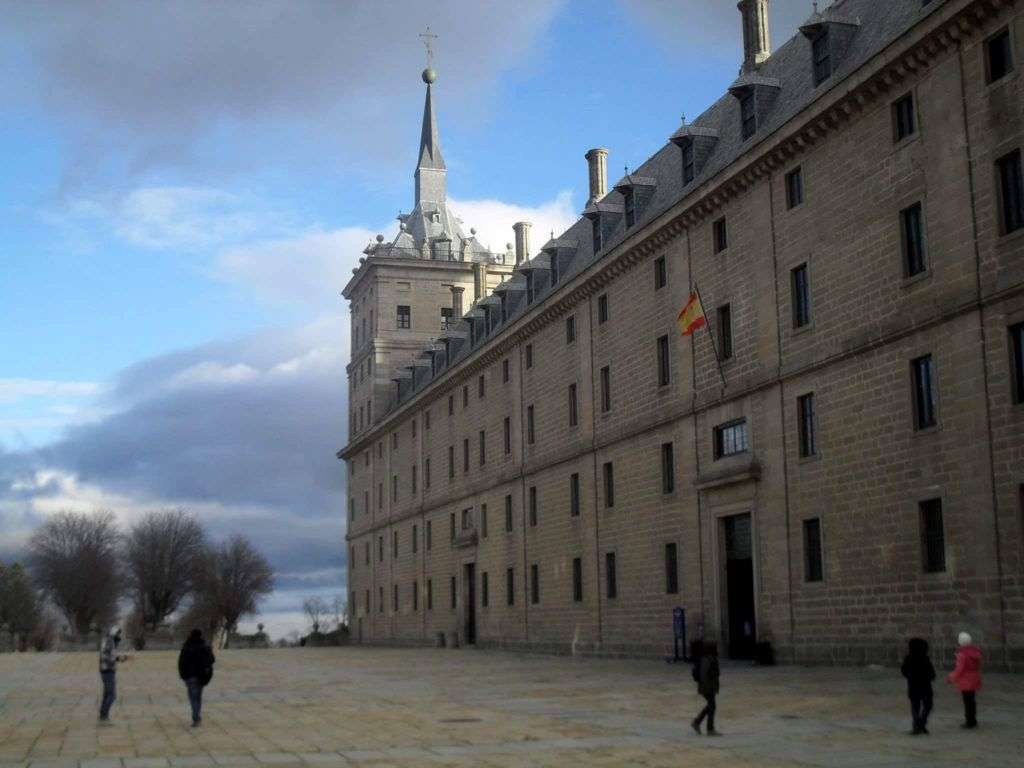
(459, 708)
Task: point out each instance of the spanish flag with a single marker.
(692, 317)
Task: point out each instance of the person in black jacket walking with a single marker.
(918, 670)
(195, 666)
(706, 675)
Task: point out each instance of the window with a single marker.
(430, 594)
(912, 237)
(611, 584)
(404, 316)
(484, 596)
(414, 429)
(413, 479)
(629, 206)
(574, 495)
(533, 506)
(577, 580)
(933, 537)
(508, 513)
(668, 468)
(595, 230)
(454, 594)
(602, 309)
(415, 596)
(606, 389)
(380, 549)
(415, 539)
(1011, 192)
(451, 405)
(794, 188)
(660, 273)
(671, 569)
(998, 56)
(721, 235)
(481, 386)
(394, 489)
(465, 396)
(483, 447)
(426, 473)
(731, 438)
(510, 586)
(380, 599)
(688, 165)
(573, 409)
(530, 293)
(800, 285)
(813, 570)
(394, 598)
(554, 266)
(394, 544)
(1017, 362)
(429, 537)
(366, 596)
(570, 329)
(483, 521)
(904, 121)
(529, 356)
(529, 425)
(467, 519)
(380, 496)
(805, 410)
(446, 318)
(504, 371)
(925, 412)
(451, 462)
(664, 369)
(822, 58)
(366, 502)
(609, 484)
(534, 584)
(725, 331)
(748, 114)
(507, 435)
(465, 454)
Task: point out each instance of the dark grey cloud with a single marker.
(243, 432)
(147, 80)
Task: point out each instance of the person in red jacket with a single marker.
(967, 678)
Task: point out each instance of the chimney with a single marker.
(757, 45)
(457, 303)
(522, 229)
(597, 163)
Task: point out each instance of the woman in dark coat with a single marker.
(706, 675)
(195, 666)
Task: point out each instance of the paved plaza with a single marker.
(391, 707)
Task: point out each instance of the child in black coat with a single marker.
(918, 670)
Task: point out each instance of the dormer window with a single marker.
(748, 114)
(688, 165)
(822, 56)
(595, 225)
(441, 250)
(629, 201)
(554, 267)
(529, 286)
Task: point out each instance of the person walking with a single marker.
(108, 671)
(195, 667)
(920, 673)
(706, 674)
(966, 676)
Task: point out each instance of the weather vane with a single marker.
(428, 38)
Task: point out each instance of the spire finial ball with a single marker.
(429, 75)
(380, 238)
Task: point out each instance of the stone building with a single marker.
(560, 467)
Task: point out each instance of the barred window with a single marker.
(731, 438)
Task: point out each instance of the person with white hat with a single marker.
(966, 676)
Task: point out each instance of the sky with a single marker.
(187, 186)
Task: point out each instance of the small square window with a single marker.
(529, 356)
(660, 273)
(794, 188)
(731, 439)
(721, 235)
(904, 119)
(998, 56)
(813, 566)
(602, 309)
(570, 329)
(933, 536)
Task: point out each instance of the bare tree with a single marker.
(162, 552)
(315, 609)
(339, 606)
(231, 581)
(19, 605)
(73, 558)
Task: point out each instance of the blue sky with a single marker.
(187, 186)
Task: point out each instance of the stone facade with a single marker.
(919, 522)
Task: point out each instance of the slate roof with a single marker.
(789, 68)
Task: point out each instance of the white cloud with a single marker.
(493, 219)
(16, 389)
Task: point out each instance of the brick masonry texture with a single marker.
(871, 469)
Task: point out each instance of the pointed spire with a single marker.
(430, 171)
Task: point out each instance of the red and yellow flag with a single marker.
(692, 317)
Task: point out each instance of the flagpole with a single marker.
(707, 323)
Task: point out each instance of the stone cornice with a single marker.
(909, 54)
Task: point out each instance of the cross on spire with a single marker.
(428, 37)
